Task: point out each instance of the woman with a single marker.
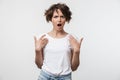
(57, 52)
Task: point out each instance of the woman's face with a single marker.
(58, 20)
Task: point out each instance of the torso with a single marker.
(57, 55)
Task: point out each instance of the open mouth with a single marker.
(59, 24)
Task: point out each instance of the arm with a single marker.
(39, 58)
(75, 60)
(39, 46)
(75, 52)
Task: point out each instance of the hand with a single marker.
(75, 44)
(40, 43)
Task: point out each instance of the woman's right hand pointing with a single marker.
(40, 43)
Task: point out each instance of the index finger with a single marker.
(42, 36)
(81, 40)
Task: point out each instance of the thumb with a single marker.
(35, 39)
(81, 40)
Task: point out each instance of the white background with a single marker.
(98, 21)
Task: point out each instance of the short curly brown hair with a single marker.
(64, 9)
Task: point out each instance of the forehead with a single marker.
(57, 12)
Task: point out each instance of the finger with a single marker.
(45, 39)
(81, 40)
(35, 39)
(42, 36)
(71, 37)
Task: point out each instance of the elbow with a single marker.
(75, 67)
(39, 65)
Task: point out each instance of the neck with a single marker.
(58, 32)
(55, 33)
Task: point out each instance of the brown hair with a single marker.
(64, 9)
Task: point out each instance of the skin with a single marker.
(58, 32)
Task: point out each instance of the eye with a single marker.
(55, 16)
(62, 16)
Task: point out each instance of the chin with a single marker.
(60, 30)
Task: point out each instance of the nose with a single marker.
(59, 19)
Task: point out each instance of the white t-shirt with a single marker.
(57, 55)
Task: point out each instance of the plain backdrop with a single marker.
(98, 21)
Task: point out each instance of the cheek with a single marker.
(64, 20)
(53, 21)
